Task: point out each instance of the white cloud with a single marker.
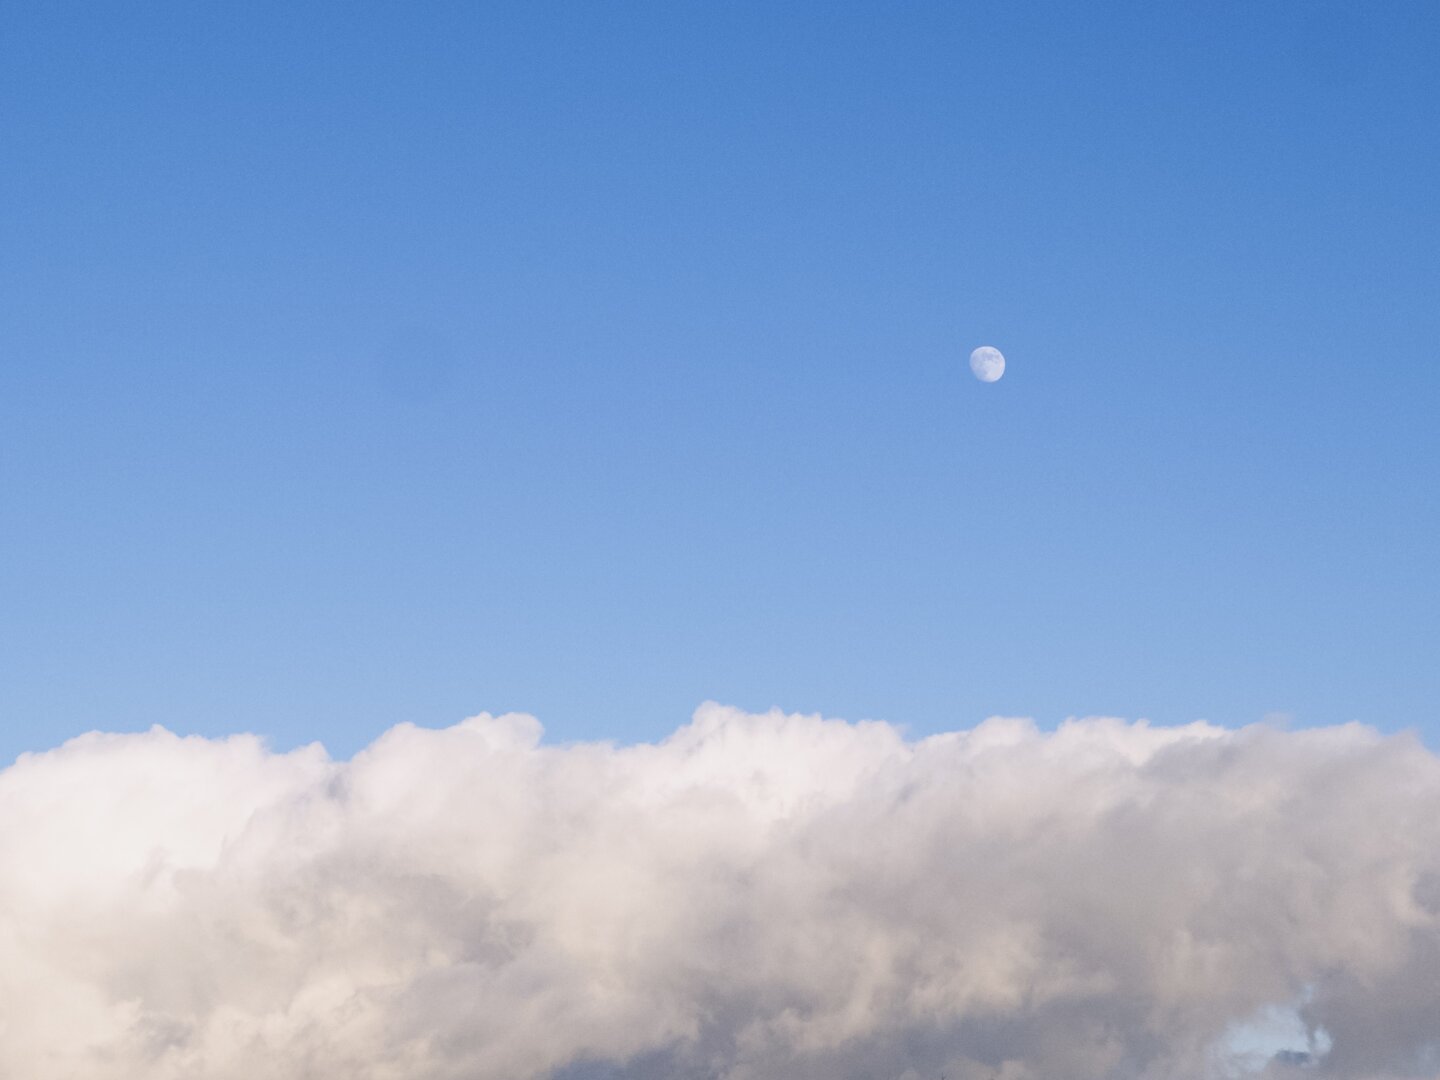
(757, 897)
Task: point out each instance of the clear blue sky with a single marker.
(363, 363)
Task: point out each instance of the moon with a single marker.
(987, 363)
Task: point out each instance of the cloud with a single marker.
(756, 897)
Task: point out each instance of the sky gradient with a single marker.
(372, 363)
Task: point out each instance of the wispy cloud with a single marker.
(755, 897)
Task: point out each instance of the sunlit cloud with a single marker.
(756, 897)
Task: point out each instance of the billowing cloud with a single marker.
(755, 898)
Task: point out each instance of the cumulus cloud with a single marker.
(754, 898)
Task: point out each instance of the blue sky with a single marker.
(367, 363)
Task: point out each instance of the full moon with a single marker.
(987, 363)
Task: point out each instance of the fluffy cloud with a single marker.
(756, 897)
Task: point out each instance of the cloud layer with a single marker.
(755, 898)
